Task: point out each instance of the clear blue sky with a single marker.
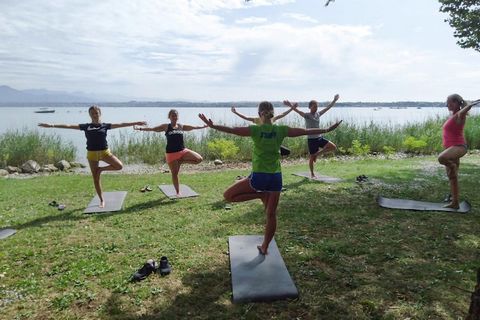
(224, 50)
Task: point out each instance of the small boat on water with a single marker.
(45, 110)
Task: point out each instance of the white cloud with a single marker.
(300, 17)
(251, 20)
(187, 49)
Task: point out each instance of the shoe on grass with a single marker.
(149, 267)
(148, 188)
(53, 203)
(61, 207)
(165, 267)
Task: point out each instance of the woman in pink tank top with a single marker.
(454, 143)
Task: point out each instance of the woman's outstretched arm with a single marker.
(281, 115)
(186, 127)
(463, 112)
(296, 132)
(330, 105)
(159, 128)
(242, 116)
(128, 124)
(294, 107)
(239, 131)
(60, 126)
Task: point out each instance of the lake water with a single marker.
(12, 118)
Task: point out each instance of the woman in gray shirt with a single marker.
(312, 120)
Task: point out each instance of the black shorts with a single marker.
(316, 143)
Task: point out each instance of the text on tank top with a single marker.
(174, 138)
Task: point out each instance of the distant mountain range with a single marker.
(10, 95)
(28, 98)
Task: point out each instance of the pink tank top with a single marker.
(453, 133)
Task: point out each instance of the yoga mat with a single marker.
(185, 191)
(256, 277)
(420, 205)
(113, 202)
(318, 177)
(5, 233)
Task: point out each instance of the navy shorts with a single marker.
(266, 181)
(316, 143)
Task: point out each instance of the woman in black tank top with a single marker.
(176, 154)
(96, 134)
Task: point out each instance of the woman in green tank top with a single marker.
(265, 182)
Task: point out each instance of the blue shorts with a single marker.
(316, 143)
(266, 181)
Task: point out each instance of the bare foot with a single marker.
(102, 204)
(312, 175)
(453, 205)
(261, 250)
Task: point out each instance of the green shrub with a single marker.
(223, 149)
(388, 150)
(358, 149)
(414, 145)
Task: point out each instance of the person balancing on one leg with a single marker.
(312, 120)
(284, 151)
(265, 181)
(454, 143)
(176, 154)
(97, 147)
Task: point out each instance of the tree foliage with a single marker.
(465, 19)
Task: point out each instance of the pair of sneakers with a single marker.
(146, 188)
(59, 206)
(163, 268)
(361, 178)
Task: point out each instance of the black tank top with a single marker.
(174, 138)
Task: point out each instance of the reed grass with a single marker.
(19, 146)
(150, 147)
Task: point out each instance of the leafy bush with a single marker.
(222, 148)
(388, 150)
(414, 145)
(358, 149)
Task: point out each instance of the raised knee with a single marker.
(227, 196)
(199, 159)
(119, 166)
(442, 160)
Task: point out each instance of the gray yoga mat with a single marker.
(256, 277)
(318, 177)
(113, 202)
(420, 205)
(185, 191)
(5, 233)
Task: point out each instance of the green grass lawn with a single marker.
(349, 258)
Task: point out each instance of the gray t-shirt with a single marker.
(312, 121)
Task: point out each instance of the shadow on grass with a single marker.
(352, 259)
(72, 214)
(204, 298)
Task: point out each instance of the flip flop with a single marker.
(143, 189)
(61, 207)
(53, 203)
(148, 188)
